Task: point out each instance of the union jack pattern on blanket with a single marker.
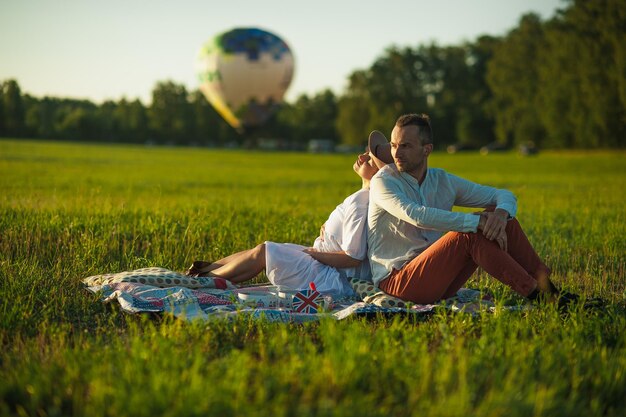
(307, 301)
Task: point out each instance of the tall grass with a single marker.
(68, 211)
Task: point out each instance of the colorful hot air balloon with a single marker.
(244, 74)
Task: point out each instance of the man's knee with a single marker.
(455, 235)
(452, 243)
(462, 237)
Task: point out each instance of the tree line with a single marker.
(558, 83)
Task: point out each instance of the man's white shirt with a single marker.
(405, 218)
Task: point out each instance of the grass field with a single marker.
(68, 211)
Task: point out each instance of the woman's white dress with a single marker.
(345, 230)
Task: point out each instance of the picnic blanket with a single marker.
(158, 290)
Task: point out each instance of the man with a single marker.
(410, 210)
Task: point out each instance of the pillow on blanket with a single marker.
(371, 294)
(159, 277)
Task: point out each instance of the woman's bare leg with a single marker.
(240, 266)
(235, 257)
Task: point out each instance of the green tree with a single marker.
(170, 115)
(309, 118)
(398, 83)
(321, 115)
(449, 91)
(445, 82)
(138, 121)
(120, 117)
(474, 123)
(78, 123)
(129, 121)
(41, 116)
(2, 128)
(512, 75)
(367, 101)
(110, 128)
(353, 115)
(582, 100)
(209, 127)
(12, 109)
(31, 117)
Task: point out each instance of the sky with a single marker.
(109, 49)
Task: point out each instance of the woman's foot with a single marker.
(199, 269)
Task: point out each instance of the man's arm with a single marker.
(492, 223)
(393, 199)
(470, 194)
(334, 259)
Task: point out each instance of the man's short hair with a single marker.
(422, 121)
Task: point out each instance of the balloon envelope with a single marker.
(244, 74)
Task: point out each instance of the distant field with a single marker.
(68, 211)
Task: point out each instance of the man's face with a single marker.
(365, 166)
(407, 151)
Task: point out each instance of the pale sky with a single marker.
(109, 49)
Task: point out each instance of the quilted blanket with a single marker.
(159, 290)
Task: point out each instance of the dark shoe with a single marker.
(542, 296)
(566, 299)
(198, 269)
(594, 303)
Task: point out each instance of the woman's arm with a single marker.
(334, 259)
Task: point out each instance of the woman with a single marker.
(337, 254)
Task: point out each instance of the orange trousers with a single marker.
(442, 269)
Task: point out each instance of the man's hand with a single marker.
(493, 225)
(501, 240)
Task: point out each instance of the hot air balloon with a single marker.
(244, 74)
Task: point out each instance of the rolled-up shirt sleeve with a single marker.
(391, 197)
